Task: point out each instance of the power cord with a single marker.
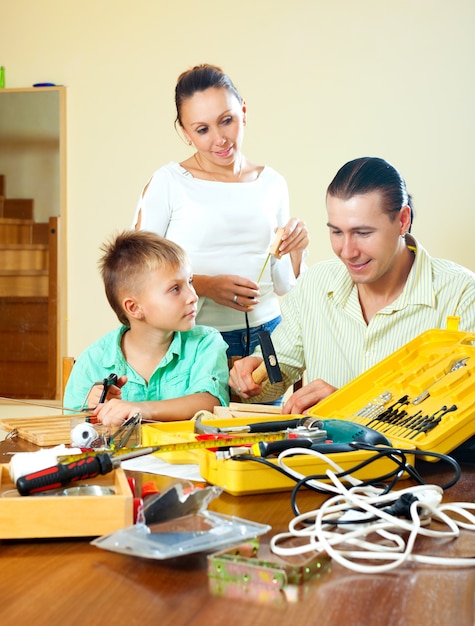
(363, 522)
(314, 482)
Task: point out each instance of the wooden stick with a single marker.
(248, 407)
(260, 374)
(274, 249)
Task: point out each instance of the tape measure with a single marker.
(199, 444)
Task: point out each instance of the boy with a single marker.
(168, 368)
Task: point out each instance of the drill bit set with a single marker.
(423, 394)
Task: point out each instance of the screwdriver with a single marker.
(260, 427)
(86, 467)
(92, 465)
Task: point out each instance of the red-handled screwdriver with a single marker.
(86, 467)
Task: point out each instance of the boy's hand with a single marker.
(113, 391)
(115, 411)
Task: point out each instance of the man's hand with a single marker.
(307, 396)
(240, 377)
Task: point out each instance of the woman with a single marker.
(224, 210)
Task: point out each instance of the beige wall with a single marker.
(29, 149)
(325, 81)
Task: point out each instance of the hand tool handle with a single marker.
(270, 357)
(59, 475)
(274, 249)
(259, 374)
(273, 427)
(111, 380)
(266, 448)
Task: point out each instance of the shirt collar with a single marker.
(417, 290)
(113, 355)
(419, 286)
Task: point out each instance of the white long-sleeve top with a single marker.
(225, 228)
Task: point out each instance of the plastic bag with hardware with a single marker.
(176, 522)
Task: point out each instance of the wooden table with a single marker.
(70, 582)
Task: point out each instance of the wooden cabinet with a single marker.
(32, 211)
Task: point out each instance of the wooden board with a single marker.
(42, 431)
(238, 409)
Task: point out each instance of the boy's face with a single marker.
(168, 300)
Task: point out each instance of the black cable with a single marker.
(248, 336)
(397, 455)
(401, 507)
(385, 452)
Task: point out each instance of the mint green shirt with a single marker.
(194, 363)
(323, 330)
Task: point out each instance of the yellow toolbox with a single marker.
(423, 394)
(247, 476)
(420, 397)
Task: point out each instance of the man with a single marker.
(383, 289)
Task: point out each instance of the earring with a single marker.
(189, 142)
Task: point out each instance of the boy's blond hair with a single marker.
(129, 258)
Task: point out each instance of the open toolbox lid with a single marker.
(423, 394)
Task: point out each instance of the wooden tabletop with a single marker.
(58, 581)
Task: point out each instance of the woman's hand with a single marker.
(295, 240)
(229, 290)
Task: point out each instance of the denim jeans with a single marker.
(237, 344)
(237, 339)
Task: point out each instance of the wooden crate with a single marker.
(25, 517)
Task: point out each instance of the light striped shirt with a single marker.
(323, 330)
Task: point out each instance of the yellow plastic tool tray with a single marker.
(183, 432)
(248, 477)
(423, 394)
(171, 432)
